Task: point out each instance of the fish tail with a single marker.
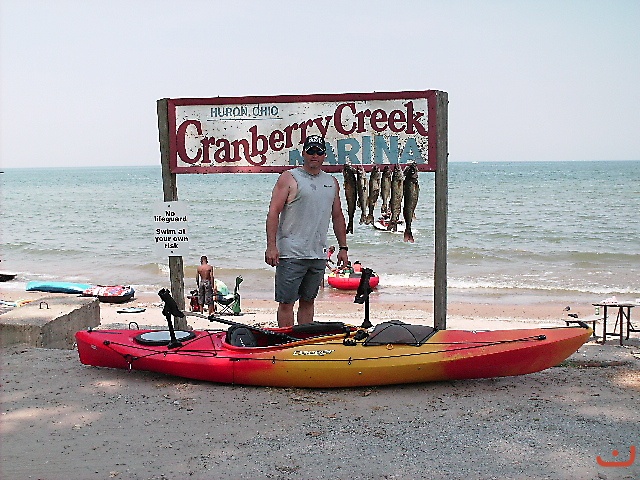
(408, 235)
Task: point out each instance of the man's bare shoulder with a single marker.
(284, 190)
(286, 179)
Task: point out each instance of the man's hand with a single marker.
(343, 257)
(272, 256)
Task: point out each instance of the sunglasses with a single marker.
(315, 151)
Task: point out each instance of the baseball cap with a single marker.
(314, 141)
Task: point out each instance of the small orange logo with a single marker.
(624, 463)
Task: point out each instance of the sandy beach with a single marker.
(61, 419)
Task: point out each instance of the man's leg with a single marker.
(285, 315)
(201, 295)
(309, 289)
(305, 311)
(289, 274)
(210, 300)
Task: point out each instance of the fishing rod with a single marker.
(170, 308)
(362, 295)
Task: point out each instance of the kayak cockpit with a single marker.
(160, 338)
(246, 336)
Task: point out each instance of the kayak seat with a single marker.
(320, 328)
(239, 336)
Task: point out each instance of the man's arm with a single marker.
(339, 227)
(279, 197)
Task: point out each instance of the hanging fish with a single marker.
(385, 190)
(396, 198)
(361, 177)
(350, 193)
(374, 193)
(411, 191)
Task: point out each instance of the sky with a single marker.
(526, 80)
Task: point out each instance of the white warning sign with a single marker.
(171, 232)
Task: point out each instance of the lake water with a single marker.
(517, 231)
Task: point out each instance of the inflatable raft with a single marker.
(111, 293)
(346, 282)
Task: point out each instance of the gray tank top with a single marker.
(304, 222)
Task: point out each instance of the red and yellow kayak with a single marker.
(333, 356)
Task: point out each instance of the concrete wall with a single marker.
(50, 321)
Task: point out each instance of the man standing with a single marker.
(303, 202)
(206, 285)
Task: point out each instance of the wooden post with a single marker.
(170, 190)
(441, 213)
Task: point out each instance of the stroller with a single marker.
(193, 301)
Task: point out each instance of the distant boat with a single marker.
(382, 224)
(474, 162)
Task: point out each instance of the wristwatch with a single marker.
(344, 247)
